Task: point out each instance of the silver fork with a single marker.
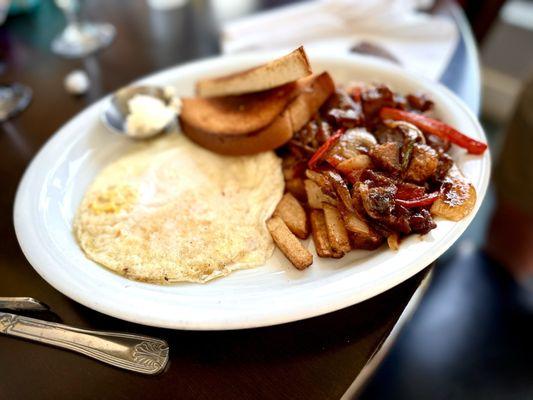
(137, 353)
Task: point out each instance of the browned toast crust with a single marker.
(275, 135)
(237, 115)
(294, 117)
(288, 68)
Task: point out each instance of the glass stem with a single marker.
(72, 12)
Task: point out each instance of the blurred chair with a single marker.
(481, 15)
(511, 231)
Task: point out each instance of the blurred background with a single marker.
(471, 337)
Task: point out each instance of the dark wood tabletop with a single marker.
(313, 359)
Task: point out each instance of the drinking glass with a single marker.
(80, 38)
(13, 97)
(4, 8)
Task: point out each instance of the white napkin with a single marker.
(419, 41)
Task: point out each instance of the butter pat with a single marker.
(148, 115)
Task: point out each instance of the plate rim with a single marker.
(37, 259)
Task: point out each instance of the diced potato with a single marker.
(315, 196)
(293, 214)
(337, 234)
(368, 241)
(361, 161)
(297, 188)
(289, 244)
(320, 233)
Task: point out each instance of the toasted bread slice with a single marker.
(288, 68)
(237, 115)
(298, 112)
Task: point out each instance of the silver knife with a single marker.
(21, 304)
(136, 353)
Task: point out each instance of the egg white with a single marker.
(174, 211)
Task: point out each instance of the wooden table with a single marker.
(314, 359)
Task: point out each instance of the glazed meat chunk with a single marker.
(386, 156)
(423, 164)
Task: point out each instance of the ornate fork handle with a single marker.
(136, 353)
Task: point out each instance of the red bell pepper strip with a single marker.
(434, 127)
(356, 93)
(409, 191)
(322, 150)
(334, 160)
(423, 201)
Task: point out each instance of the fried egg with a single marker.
(173, 211)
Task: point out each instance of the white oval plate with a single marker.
(57, 178)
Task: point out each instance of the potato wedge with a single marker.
(320, 233)
(369, 241)
(293, 214)
(337, 234)
(289, 244)
(315, 196)
(296, 187)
